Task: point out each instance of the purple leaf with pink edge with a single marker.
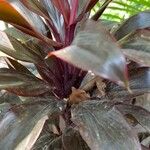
(94, 49)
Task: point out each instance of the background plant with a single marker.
(119, 10)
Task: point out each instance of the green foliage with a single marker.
(119, 10)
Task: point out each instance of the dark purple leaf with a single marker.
(139, 83)
(101, 10)
(37, 7)
(21, 84)
(44, 140)
(137, 46)
(94, 49)
(17, 66)
(103, 127)
(16, 14)
(12, 31)
(18, 121)
(72, 140)
(16, 49)
(139, 21)
(63, 7)
(57, 21)
(140, 114)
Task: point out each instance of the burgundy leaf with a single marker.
(135, 22)
(139, 82)
(64, 8)
(137, 46)
(37, 7)
(22, 84)
(140, 114)
(10, 11)
(72, 140)
(94, 49)
(103, 127)
(17, 66)
(16, 49)
(18, 121)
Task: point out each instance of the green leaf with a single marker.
(94, 49)
(140, 114)
(21, 84)
(139, 21)
(103, 127)
(17, 121)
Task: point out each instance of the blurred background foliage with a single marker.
(119, 10)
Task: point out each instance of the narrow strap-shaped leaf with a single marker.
(84, 7)
(37, 7)
(16, 49)
(64, 8)
(18, 121)
(18, 66)
(139, 21)
(16, 17)
(21, 84)
(44, 140)
(101, 10)
(8, 13)
(103, 127)
(137, 46)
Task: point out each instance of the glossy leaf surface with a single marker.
(17, 66)
(17, 121)
(102, 126)
(21, 84)
(139, 21)
(16, 49)
(139, 82)
(28, 142)
(140, 114)
(6, 10)
(44, 140)
(36, 6)
(137, 46)
(26, 22)
(64, 8)
(94, 49)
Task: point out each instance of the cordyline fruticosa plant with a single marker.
(88, 76)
